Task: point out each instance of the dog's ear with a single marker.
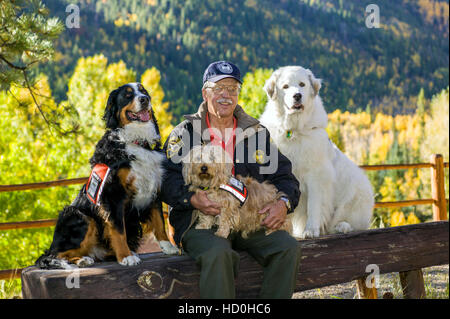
(110, 116)
(155, 121)
(186, 171)
(270, 87)
(315, 83)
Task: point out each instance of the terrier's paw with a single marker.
(202, 226)
(168, 248)
(222, 233)
(343, 227)
(85, 261)
(132, 260)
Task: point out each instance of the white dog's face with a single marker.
(293, 87)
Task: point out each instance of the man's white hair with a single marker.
(209, 84)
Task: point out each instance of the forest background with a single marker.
(385, 88)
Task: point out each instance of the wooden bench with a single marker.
(325, 261)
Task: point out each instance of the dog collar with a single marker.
(145, 144)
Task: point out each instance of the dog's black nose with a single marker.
(297, 96)
(204, 169)
(144, 100)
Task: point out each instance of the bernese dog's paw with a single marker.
(61, 264)
(85, 261)
(168, 248)
(132, 260)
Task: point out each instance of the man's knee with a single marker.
(285, 241)
(292, 243)
(220, 255)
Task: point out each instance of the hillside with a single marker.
(382, 67)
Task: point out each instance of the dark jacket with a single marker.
(255, 155)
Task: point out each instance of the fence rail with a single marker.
(438, 200)
(25, 187)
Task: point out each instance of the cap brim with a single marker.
(216, 78)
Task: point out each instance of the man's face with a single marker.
(222, 97)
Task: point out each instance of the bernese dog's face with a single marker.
(129, 103)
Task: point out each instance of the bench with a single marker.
(325, 261)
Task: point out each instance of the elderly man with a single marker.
(220, 120)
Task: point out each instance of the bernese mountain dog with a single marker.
(119, 203)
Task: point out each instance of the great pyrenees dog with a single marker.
(337, 196)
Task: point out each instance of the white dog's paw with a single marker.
(168, 248)
(310, 233)
(85, 261)
(343, 227)
(132, 260)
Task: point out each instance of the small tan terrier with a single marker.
(209, 168)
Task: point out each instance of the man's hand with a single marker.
(276, 215)
(201, 202)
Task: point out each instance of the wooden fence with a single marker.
(438, 200)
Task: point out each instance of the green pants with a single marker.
(278, 253)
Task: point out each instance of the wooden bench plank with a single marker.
(325, 261)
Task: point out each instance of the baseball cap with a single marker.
(220, 70)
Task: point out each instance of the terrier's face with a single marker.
(207, 166)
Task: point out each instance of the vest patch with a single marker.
(236, 188)
(96, 181)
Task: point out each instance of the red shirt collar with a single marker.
(211, 132)
(215, 140)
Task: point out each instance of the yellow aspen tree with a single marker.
(150, 79)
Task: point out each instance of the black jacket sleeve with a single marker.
(173, 190)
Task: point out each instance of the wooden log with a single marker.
(412, 284)
(325, 261)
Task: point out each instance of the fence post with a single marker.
(363, 291)
(438, 188)
(412, 283)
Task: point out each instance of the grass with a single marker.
(436, 281)
(433, 291)
(10, 289)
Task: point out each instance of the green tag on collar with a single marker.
(288, 134)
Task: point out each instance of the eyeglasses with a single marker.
(232, 89)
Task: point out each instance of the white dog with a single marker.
(336, 194)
